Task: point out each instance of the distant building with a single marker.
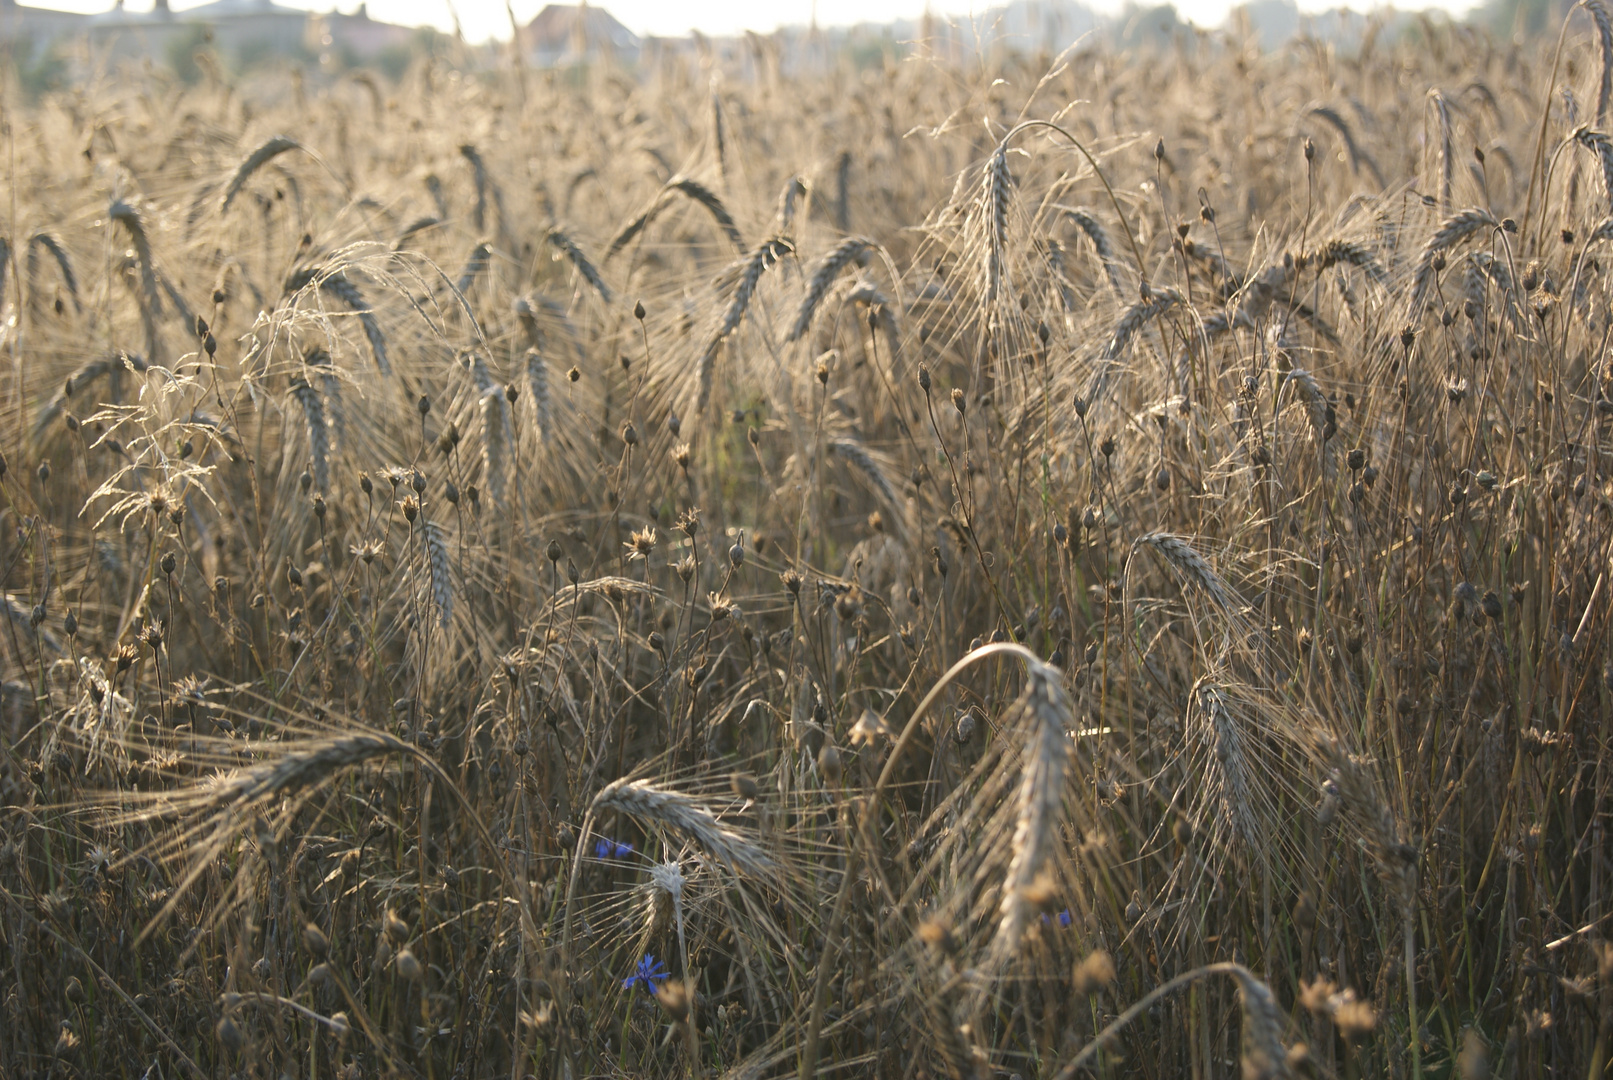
(563, 34)
(244, 32)
(357, 34)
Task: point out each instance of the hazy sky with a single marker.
(488, 18)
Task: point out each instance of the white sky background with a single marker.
(483, 19)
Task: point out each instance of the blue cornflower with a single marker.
(649, 969)
(610, 849)
(1063, 917)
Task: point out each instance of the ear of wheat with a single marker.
(478, 168)
(1045, 713)
(257, 159)
(579, 260)
(496, 430)
(750, 275)
(313, 411)
(52, 244)
(652, 804)
(337, 284)
(537, 385)
(1098, 236)
(1604, 39)
(131, 219)
(475, 263)
(1452, 231)
(839, 257)
(441, 584)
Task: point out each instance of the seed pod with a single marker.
(1305, 912)
(964, 730)
(229, 1034)
(829, 764)
(1096, 972)
(316, 941)
(409, 967)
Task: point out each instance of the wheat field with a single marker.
(1027, 566)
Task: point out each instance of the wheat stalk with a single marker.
(1446, 163)
(1337, 251)
(1229, 781)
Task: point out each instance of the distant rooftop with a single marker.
(558, 26)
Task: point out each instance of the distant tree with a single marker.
(181, 52)
(1527, 17)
